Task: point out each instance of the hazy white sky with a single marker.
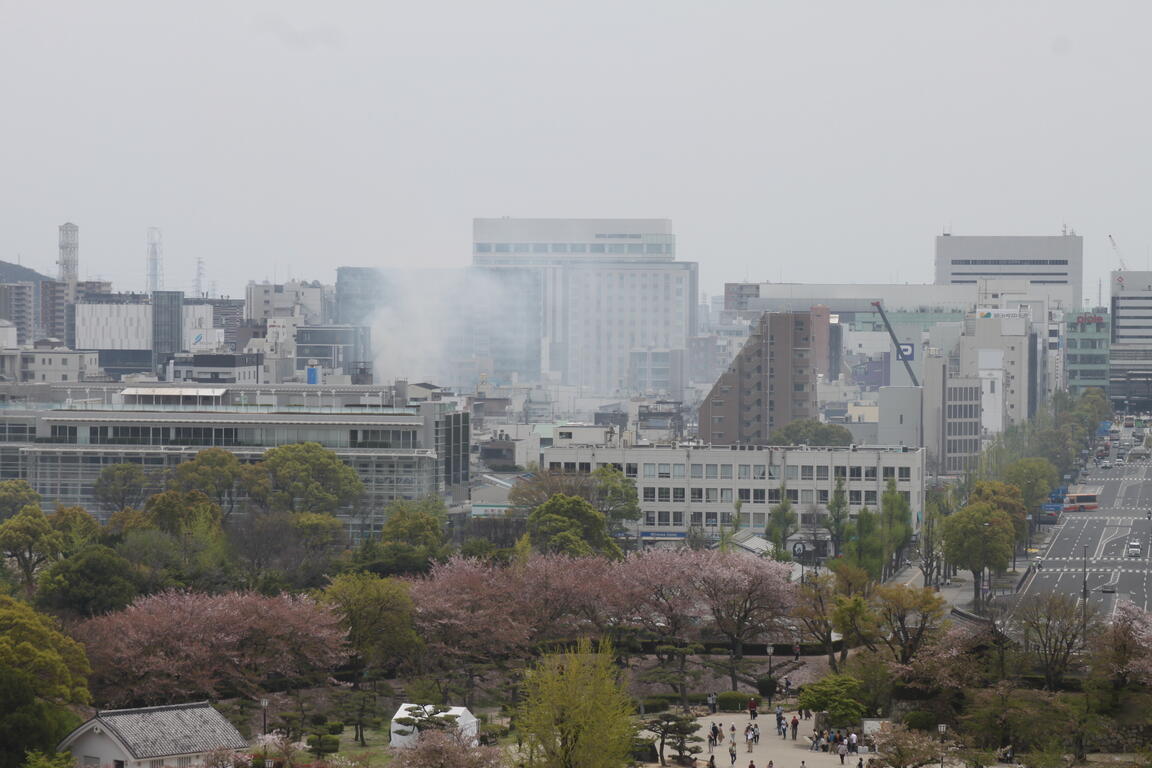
(805, 141)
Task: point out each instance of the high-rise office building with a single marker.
(606, 288)
(1053, 261)
(771, 383)
(17, 305)
(1130, 348)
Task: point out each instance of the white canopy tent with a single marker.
(404, 736)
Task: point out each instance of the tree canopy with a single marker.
(810, 432)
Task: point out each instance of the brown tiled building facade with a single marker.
(771, 383)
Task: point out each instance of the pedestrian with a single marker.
(732, 752)
(796, 651)
(711, 761)
(751, 764)
(712, 702)
(771, 764)
(802, 764)
(842, 750)
(755, 734)
(853, 746)
(719, 732)
(860, 762)
(795, 726)
(787, 686)
(752, 708)
(815, 739)
(711, 741)
(732, 733)
(748, 739)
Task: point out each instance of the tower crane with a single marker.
(1116, 249)
(896, 342)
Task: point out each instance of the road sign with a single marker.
(908, 351)
(798, 548)
(1052, 507)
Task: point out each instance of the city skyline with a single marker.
(778, 162)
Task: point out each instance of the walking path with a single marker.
(784, 753)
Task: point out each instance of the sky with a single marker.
(796, 141)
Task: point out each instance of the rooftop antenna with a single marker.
(155, 251)
(200, 275)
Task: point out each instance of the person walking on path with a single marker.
(755, 734)
(732, 753)
(752, 708)
(795, 726)
(852, 745)
(712, 761)
(748, 738)
(712, 702)
(732, 734)
(842, 750)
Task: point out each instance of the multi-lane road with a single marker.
(1101, 537)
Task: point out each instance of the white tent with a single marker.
(404, 736)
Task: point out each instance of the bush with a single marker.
(324, 744)
(654, 704)
(257, 761)
(732, 701)
(766, 686)
(921, 720)
(335, 728)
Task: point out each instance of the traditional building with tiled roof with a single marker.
(172, 736)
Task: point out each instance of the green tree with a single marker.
(810, 432)
(576, 713)
(679, 729)
(838, 695)
(979, 537)
(216, 473)
(570, 525)
(606, 489)
(782, 523)
(14, 496)
(1006, 498)
(896, 522)
(93, 581)
(378, 614)
(42, 672)
(37, 759)
(120, 486)
(865, 543)
(178, 513)
(412, 538)
(837, 519)
(304, 477)
(29, 540)
(76, 527)
(1034, 477)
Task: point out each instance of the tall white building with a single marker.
(1042, 260)
(584, 294)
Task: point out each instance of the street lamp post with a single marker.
(1084, 612)
(264, 726)
(943, 729)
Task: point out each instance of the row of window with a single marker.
(803, 496)
(632, 248)
(769, 471)
(1002, 262)
(970, 411)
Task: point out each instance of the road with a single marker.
(1099, 539)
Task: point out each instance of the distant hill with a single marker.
(16, 273)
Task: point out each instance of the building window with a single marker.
(806, 472)
(696, 494)
(855, 473)
(663, 517)
(854, 498)
(744, 495)
(678, 495)
(822, 496)
(869, 473)
(629, 470)
(698, 471)
(822, 473)
(725, 495)
(870, 497)
(759, 472)
(744, 472)
(757, 495)
(664, 495)
(650, 518)
(649, 470)
(725, 471)
(905, 474)
(889, 473)
(711, 495)
(664, 470)
(649, 493)
(791, 472)
(711, 471)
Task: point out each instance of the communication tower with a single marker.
(155, 251)
(69, 260)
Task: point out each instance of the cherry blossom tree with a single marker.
(174, 646)
(746, 597)
(465, 613)
(1122, 650)
(661, 586)
(437, 749)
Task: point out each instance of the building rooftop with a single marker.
(153, 732)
